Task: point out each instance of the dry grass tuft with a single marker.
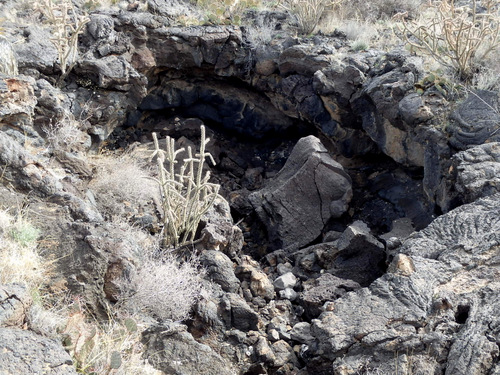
(20, 261)
(120, 182)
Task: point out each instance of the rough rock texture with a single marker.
(309, 190)
(436, 303)
(16, 112)
(173, 350)
(478, 171)
(24, 352)
(14, 304)
(219, 269)
(380, 104)
(476, 120)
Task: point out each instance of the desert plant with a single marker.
(165, 287)
(67, 24)
(225, 11)
(19, 259)
(8, 61)
(307, 12)
(120, 182)
(65, 134)
(187, 193)
(456, 36)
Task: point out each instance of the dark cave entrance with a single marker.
(254, 137)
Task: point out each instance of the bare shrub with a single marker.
(225, 11)
(66, 134)
(458, 37)
(375, 10)
(258, 35)
(308, 12)
(120, 182)
(166, 288)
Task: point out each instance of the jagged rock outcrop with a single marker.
(435, 302)
(310, 189)
(25, 352)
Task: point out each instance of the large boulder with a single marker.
(308, 191)
(24, 352)
(433, 311)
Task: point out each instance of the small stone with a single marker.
(273, 335)
(288, 294)
(301, 332)
(288, 280)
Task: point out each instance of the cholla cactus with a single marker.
(67, 24)
(186, 195)
(8, 61)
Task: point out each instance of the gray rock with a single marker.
(38, 52)
(309, 190)
(173, 350)
(241, 316)
(437, 302)
(299, 59)
(283, 354)
(219, 231)
(476, 120)
(301, 332)
(24, 352)
(17, 105)
(379, 106)
(478, 171)
(15, 301)
(325, 288)
(288, 280)
(289, 294)
(357, 255)
(260, 285)
(219, 269)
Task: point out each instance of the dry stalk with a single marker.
(308, 12)
(187, 195)
(456, 36)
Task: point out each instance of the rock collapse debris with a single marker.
(329, 162)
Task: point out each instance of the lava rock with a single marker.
(15, 301)
(475, 121)
(24, 352)
(170, 348)
(309, 190)
(325, 288)
(478, 171)
(219, 269)
(288, 280)
(441, 281)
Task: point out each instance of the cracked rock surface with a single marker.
(309, 190)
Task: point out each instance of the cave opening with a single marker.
(253, 137)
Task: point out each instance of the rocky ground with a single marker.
(360, 227)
